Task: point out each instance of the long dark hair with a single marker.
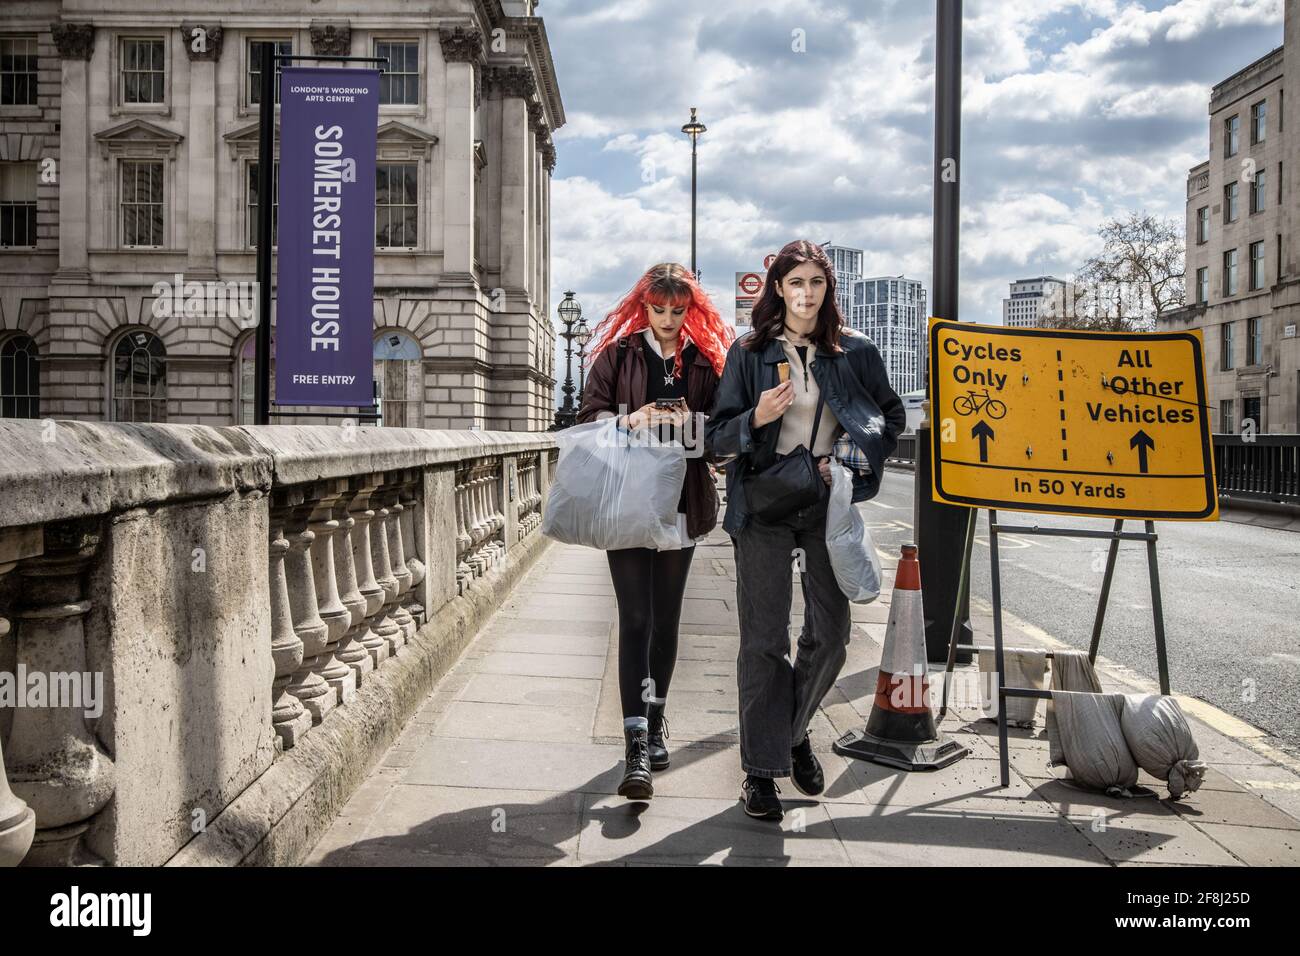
(768, 318)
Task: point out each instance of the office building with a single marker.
(129, 158)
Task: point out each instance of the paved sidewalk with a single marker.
(516, 756)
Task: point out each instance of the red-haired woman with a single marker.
(835, 386)
(657, 360)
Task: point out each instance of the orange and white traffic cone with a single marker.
(901, 731)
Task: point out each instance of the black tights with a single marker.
(649, 586)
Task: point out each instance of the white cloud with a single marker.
(838, 145)
(1137, 27)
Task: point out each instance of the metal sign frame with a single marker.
(1115, 536)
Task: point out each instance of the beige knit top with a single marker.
(797, 423)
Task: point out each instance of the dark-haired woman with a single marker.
(837, 386)
(664, 344)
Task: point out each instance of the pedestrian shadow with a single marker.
(506, 834)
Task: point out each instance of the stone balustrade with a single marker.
(201, 603)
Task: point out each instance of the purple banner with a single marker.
(325, 279)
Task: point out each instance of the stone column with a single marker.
(462, 52)
(17, 819)
(352, 650)
(397, 557)
(337, 617)
(493, 520)
(55, 762)
(289, 718)
(387, 626)
(362, 556)
(413, 537)
(512, 494)
(76, 43)
(476, 523)
(306, 684)
(515, 86)
(203, 47)
(464, 540)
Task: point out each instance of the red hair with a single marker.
(673, 285)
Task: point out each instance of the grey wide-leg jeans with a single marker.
(778, 697)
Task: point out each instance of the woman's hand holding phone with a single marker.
(653, 413)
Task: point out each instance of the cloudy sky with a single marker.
(1074, 111)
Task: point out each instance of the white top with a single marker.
(797, 422)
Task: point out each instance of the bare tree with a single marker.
(1138, 277)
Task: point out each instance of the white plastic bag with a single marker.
(1161, 741)
(613, 490)
(852, 552)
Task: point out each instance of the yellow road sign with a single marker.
(1090, 423)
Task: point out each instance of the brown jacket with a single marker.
(603, 394)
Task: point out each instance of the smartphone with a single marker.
(783, 371)
(669, 404)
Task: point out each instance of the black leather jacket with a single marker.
(856, 387)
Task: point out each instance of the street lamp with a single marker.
(693, 129)
(583, 337)
(571, 315)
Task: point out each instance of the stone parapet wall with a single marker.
(203, 602)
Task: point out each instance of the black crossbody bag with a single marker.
(788, 484)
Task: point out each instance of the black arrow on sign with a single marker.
(1142, 442)
(983, 433)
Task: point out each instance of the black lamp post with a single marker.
(571, 315)
(693, 129)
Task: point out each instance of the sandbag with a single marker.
(1025, 668)
(1085, 733)
(1161, 741)
(615, 490)
(1071, 670)
(852, 551)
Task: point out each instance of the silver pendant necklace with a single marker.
(669, 364)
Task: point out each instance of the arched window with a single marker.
(399, 376)
(20, 378)
(139, 378)
(246, 380)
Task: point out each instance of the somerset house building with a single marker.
(128, 204)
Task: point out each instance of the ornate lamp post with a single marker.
(571, 315)
(583, 337)
(693, 129)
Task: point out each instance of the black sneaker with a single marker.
(760, 797)
(658, 731)
(637, 781)
(805, 770)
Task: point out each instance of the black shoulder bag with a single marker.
(790, 483)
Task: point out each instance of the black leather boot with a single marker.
(658, 731)
(637, 780)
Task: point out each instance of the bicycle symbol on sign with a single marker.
(973, 402)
